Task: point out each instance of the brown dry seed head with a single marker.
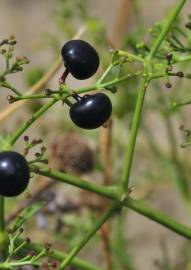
(48, 92)
(180, 74)
(21, 230)
(45, 161)
(168, 85)
(71, 152)
(26, 138)
(10, 99)
(37, 155)
(169, 56)
(27, 240)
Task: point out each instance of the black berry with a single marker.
(91, 111)
(14, 173)
(80, 59)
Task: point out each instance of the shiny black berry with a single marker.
(91, 111)
(80, 59)
(14, 173)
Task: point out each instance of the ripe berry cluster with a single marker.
(82, 61)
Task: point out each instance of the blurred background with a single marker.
(130, 241)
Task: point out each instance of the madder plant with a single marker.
(167, 49)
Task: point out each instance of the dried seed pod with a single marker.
(72, 153)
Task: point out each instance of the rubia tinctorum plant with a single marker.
(154, 63)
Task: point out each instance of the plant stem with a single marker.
(105, 74)
(28, 123)
(103, 85)
(159, 217)
(10, 265)
(57, 255)
(133, 135)
(131, 56)
(166, 29)
(140, 99)
(183, 103)
(2, 218)
(90, 234)
(37, 96)
(2, 227)
(108, 192)
(12, 88)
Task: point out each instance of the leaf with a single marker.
(26, 214)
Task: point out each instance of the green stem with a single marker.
(133, 135)
(7, 63)
(180, 58)
(37, 96)
(57, 255)
(179, 104)
(159, 217)
(101, 85)
(89, 235)
(131, 56)
(28, 123)
(3, 246)
(12, 88)
(111, 193)
(2, 215)
(166, 29)
(107, 192)
(105, 74)
(10, 265)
